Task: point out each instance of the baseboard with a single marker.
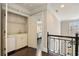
(11, 52)
(45, 50)
(45, 53)
(33, 48)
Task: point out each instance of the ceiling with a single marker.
(32, 6)
(70, 11)
(28, 8)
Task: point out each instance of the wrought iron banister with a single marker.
(65, 40)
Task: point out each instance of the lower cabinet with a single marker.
(21, 41)
(16, 41)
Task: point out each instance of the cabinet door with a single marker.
(32, 32)
(11, 43)
(21, 41)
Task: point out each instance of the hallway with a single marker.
(31, 30)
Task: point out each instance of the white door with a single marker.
(32, 32)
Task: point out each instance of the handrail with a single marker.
(62, 36)
(61, 39)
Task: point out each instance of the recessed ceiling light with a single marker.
(62, 6)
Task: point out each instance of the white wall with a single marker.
(39, 24)
(32, 32)
(53, 23)
(44, 26)
(65, 28)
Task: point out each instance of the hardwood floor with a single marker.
(26, 52)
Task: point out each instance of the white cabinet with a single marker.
(21, 40)
(16, 41)
(11, 43)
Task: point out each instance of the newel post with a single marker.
(48, 42)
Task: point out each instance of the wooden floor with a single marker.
(26, 52)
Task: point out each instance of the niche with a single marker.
(17, 24)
